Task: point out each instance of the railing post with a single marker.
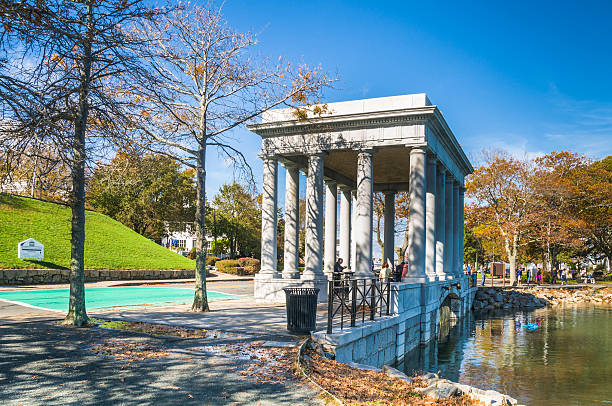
(388, 295)
(353, 302)
(330, 306)
(373, 299)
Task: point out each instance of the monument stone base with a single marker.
(270, 290)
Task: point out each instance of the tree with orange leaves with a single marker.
(554, 192)
(501, 191)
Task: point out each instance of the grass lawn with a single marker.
(108, 243)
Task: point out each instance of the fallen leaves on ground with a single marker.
(129, 350)
(355, 386)
(153, 329)
(268, 364)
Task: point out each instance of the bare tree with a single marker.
(208, 83)
(62, 64)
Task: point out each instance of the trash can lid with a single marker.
(302, 291)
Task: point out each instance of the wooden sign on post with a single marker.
(30, 249)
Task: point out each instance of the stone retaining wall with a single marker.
(413, 321)
(51, 276)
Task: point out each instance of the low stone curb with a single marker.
(50, 276)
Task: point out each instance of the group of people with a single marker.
(386, 270)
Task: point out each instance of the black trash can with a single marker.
(301, 306)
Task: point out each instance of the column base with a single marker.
(270, 290)
(291, 274)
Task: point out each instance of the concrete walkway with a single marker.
(42, 363)
(233, 315)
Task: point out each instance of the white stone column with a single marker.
(461, 225)
(364, 214)
(353, 229)
(430, 219)
(416, 248)
(449, 221)
(292, 210)
(314, 219)
(345, 226)
(456, 265)
(331, 204)
(269, 206)
(458, 231)
(389, 227)
(440, 220)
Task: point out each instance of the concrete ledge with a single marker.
(415, 320)
(51, 276)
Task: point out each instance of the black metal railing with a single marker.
(349, 300)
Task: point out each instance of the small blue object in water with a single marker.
(532, 326)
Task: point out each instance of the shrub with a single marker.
(226, 264)
(248, 270)
(192, 253)
(250, 262)
(210, 260)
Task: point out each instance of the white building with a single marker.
(184, 240)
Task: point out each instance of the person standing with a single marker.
(564, 277)
(338, 271)
(385, 271)
(528, 276)
(484, 274)
(519, 275)
(539, 277)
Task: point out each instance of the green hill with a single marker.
(108, 243)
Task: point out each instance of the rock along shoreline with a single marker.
(529, 298)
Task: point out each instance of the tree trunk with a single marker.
(77, 314)
(401, 251)
(511, 252)
(378, 239)
(200, 300)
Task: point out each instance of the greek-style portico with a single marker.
(390, 144)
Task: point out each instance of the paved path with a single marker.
(241, 315)
(42, 363)
(234, 315)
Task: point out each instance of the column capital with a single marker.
(331, 182)
(289, 165)
(267, 157)
(344, 188)
(365, 151)
(319, 154)
(418, 150)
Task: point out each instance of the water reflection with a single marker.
(567, 360)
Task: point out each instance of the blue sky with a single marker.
(528, 77)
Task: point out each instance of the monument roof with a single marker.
(351, 107)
